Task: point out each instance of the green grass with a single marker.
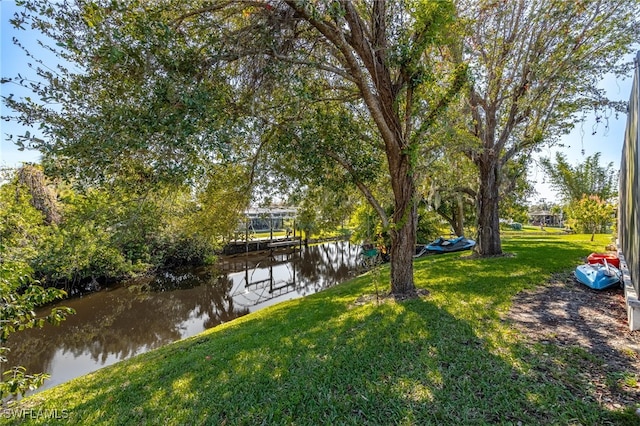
(449, 358)
(530, 229)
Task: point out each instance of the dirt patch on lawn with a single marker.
(568, 314)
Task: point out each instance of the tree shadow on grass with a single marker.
(323, 360)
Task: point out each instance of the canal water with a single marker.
(128, 319)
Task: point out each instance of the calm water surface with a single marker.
(134, 317)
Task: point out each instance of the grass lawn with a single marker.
(530, 229)
(339, 358)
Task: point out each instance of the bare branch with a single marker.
(317, 65)
(202, 10)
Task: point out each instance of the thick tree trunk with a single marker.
(403, 245)
(403, 234)
(43, 198)
(488, 240)
(459, 216)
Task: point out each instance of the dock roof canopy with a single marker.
(271, 212)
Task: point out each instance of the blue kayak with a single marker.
(442, 245)
(598, 276)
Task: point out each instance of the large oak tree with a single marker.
(534, 65)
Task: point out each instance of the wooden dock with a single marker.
(285, 243)
(237, 247)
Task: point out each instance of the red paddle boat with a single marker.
(611, 258)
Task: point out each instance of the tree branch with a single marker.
(336, 37)
(316, 65)
(210, 8)
(362, 187)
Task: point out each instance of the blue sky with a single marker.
(587, 138)
(579, 144)
(13, 61)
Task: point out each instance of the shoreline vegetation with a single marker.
(342, 356)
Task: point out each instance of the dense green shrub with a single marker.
(19, 296)
(110, 233)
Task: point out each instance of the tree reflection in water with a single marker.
(134, 317)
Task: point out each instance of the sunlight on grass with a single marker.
(158, 398)
(344, 356)
(183, 387)
(413, 391)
